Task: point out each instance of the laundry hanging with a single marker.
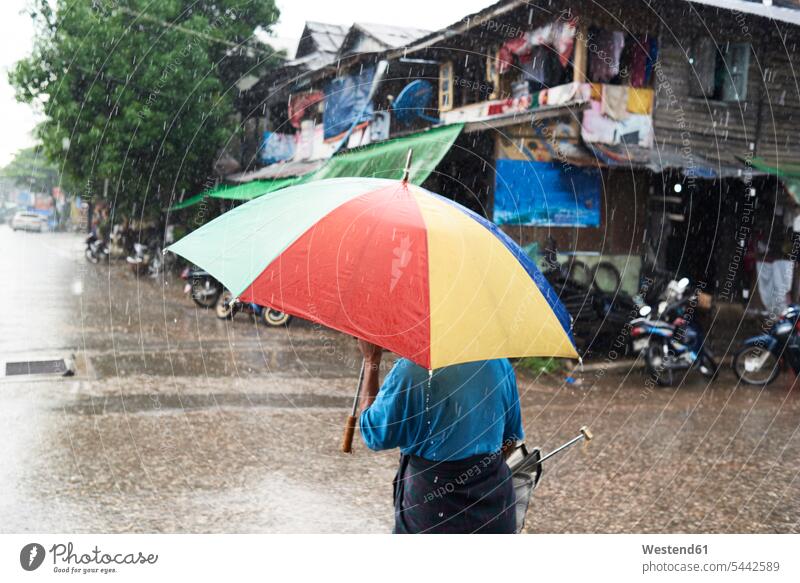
(605, 50)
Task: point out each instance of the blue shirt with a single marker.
(465, 410)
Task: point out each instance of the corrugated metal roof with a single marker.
(327, 37)
(782, 13)
(779, 13)
(391, 36)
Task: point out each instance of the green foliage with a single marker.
(140, 93)
(31, 171)
(537, 365)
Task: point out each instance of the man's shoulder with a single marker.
(404, 368)
(501, 366)
(501, 369)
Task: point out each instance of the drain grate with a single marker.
(26, 367)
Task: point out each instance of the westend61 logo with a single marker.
(66, 560)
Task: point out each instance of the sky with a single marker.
(16, 33)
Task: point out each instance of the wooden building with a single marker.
(633, 132)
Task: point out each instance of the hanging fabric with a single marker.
(302, 103)
(604, 58)
(640, 100)
(652, 57)
(615, 101)
(640, 53)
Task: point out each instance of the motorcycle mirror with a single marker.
(683, 283)
(644, 311)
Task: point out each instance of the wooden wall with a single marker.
(765, 124)
(779, 128)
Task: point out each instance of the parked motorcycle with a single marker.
(201, 285)
(148, 256)
(141, 259)
(758, 361)
(672, 339)
(96, 249)
(227, 308)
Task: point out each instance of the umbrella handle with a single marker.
(349, 431)
(350, 424)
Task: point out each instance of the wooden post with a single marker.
(580, 66)
(580, 58)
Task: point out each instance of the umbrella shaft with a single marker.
(563, 447)
(358, 389)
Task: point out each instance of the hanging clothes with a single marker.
(535, 70)
(652, 57)
(542, 69)
(596, 127)
(604, 55)
(564, 40)
(302, 103)
(558, 36)
(563, 93)
(774, 284)
(615, 101)
(640, 100)
(508, 50)
(640, 53)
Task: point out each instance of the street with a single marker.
(176, 421)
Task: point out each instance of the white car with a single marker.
(28, 222)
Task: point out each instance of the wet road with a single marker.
(179, 422)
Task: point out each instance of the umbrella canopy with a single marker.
(388, 262)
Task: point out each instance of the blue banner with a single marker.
(546, 194)
(346, 102)
(276, 147)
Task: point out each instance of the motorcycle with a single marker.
(227, 307)
(96, 249)
(141, 260)
(673, 340)
(204, 289)
(758, 361)
(148, 258)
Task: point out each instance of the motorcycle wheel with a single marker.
(606, 277)
(747, 358)
(204, 293)
(577, 273)
(223, 309)
(275, 317)
(91, 257)
(658, 363)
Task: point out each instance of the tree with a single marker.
(30, 170)
(140, 93)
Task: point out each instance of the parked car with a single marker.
(27, 221)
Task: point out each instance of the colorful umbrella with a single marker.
(388, 262)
